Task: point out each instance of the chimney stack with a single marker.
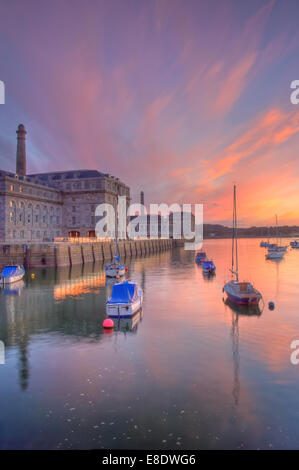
(142, 198)
(21, 151)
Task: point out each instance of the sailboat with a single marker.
(276, 251)
(239, 292)
(115, 269)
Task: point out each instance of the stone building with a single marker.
(40, 207)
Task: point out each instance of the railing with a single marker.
(98, 240)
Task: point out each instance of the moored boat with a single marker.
(115, 269)
(264, 244)
(275, 254)
(126, 299)
(200, 256)
(12, 274)
(239, 292)
(208, 266)
(295, 244)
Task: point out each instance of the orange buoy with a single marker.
(108, 324)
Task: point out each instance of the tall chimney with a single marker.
(142, 198)
(21, 150)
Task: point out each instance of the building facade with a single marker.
(41, 207)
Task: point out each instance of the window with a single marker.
(74, 220)
(37, 214)
(22, 213)
(74, 208)
(30, 214)
(12, 212)
(51, 215)
(11, 187)
(21, 189)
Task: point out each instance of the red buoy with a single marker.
(108, 324)
(126, 269)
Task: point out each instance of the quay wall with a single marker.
(76, 253)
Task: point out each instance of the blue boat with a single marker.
(294, 244)
(125, 301)
(200, 256)
(208, 266)
(11, 274)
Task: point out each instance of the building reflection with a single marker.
(69, 302)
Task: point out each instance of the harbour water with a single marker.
(188, 373)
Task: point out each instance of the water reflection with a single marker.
(210, 372)
(128, 325)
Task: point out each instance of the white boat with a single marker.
(126, 299)
(275, 250)
(275, 247)
(275, 254)
(115, 269)
(12, 274)
(239, 292)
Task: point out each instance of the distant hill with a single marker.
(220, 231)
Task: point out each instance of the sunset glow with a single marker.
(178, 99)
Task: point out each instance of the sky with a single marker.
(178, 98)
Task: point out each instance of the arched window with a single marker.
(45, 215)
(22, 213)
(51, 215)
(12, 212)
(37, 214)
(29, 214)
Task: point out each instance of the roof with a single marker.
(71, 174)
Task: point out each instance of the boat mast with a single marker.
(116, 252)
(235, 239)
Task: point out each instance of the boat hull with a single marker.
(11, 279)
(241, 298)
(115, 272)
(275, 255)
(123, 310)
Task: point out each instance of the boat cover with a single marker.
(124, 293)
(11, 271)
(208, 265)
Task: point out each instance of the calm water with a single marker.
(191, 373)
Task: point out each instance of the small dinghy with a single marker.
(125, 301)
(208, 266)
(12, 274)
(239, 292)
(200, 256)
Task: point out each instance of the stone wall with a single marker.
(66, 254)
